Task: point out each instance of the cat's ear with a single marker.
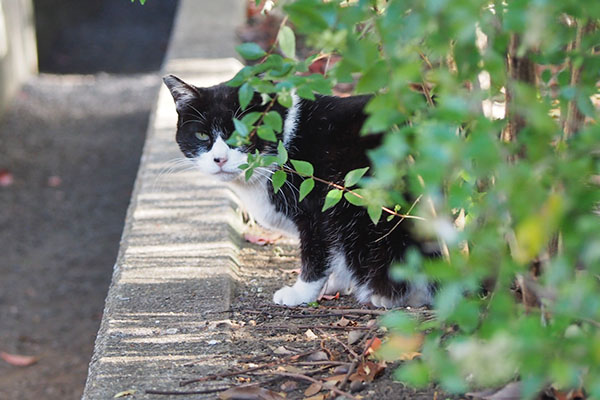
(182, 93)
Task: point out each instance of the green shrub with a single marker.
(525, 186)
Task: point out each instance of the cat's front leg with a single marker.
(300, 293)
(315, 264)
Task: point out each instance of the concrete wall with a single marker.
(18, 53)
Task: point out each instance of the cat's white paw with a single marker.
(338, 283)
(301, 292)
(288, 296)
(382, 301)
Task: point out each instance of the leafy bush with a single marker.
(511, 199)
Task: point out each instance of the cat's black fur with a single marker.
(327, 134)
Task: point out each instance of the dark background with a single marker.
(117, 36)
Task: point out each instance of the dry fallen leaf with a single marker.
(330, 297)
(342, 322)
(368, 371)
(282, 351)
(401, 348)
(335, 378)
(262, 239)
(18, 360)
(355, 336)
(124, 393)
(6, 178)
(249, 393)
(315, 397)
(318, 356)
(289, 386)
(566, 395)
(310, 334)
(372, 346)
(313, 389)
(54, 181)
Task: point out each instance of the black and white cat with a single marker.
(341, 249)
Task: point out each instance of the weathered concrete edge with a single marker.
(190, 67)
(18, 52)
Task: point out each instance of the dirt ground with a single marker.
(265, 333)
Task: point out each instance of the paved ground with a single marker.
(72, 144)
(58, 244)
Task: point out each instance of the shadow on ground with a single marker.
(72, 145)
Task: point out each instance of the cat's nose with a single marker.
(220, 161)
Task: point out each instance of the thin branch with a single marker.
(212, 377)
(401, 219)
(350, 372)
(312, 380)
(183, 393)
(345, 189)
(344, 345)
(287, 327)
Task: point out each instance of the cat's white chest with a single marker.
(256, 201)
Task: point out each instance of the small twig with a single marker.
(287, 327)
(182, 393)
(337, 310)
(401, 219)
(312, 380)
(345, 189)
(212, 377)
(344, 345)
(350, 372)
(313, 363)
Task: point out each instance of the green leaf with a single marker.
(352, 198)
(303, 167)
(282, 154)
(278, 179)
(354, 176)
(273, 120)
(306, 187)
(266, 133)
(305, 92)
(251, 118)
(245, 94)
(374, 211)
(240, 127)
(248, 173)
(250, 51)
(287, 41)
(415, 373)
(285, 99)
(374, 78)
(333, 197)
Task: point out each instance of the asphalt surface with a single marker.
(70, 146)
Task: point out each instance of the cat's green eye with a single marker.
(202, 136)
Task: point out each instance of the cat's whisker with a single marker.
(199, 114)
(171, 167)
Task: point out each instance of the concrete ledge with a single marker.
(18, 52)
(177, 259)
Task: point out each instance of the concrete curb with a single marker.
(176, 264)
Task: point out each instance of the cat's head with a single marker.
(205, 124)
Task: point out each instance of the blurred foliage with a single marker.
(530, 234)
